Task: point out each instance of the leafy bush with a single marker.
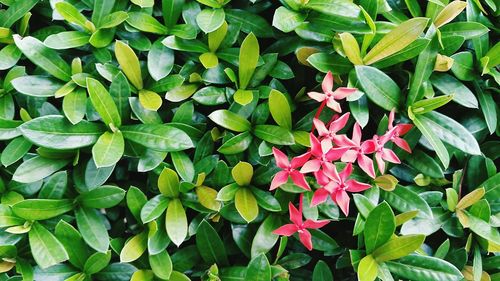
(297, 139)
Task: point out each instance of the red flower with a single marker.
(329, 95)
(358, 151)
(335, 126)
(382, 153)
(289, 169)
(336, 185)
(323, 153)
(298, 226)
(399, 130)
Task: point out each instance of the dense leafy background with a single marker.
(137, 138)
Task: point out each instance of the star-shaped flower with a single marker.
(329, 95)
(399, 130)
(337, 185)
(298, 226)
(358, 151)
(335, 126)
(382, 153)
(289, 169)
(323, 154)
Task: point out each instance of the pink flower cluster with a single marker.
(328, 146)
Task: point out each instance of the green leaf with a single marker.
(47, 59)
(367, 269)
(210, 245)
(379, 227)
(129, 63)
(230, 120)
(246, 204)
(71, 14)
(236, 144)
(404, 200)
(242, 173)
(157, 137)
(67, 40)
(250, 22)
(75, 105)
(168, 183)
(143, 3)
(449, 85)
(45, 248)
(424, 126)
(180, 44)
(492, 187)
(15, 150)
(351, 48)
(103, 103)
(468, 30)
(146, 23)
(379, 87)
(38, 168)
(91, 226)
(102, 8)
(108, 149)
(451, 132)
(248, 58)
(210, 20)
(398, 247)
(463, 67)
(97, 262)
(16, 10)
(150, 100)
(264, 239)
(9, 56)
(274, 134)
(160, 60)
(134, 248)
(161, 264)
(154, 208)
(428, 105)
(176, 222)
(183, 165)
(280, 109)
(396, 40)
(258, 269)
(287, 20)
(488, 108)
(483, 229)
(322, 272)
(210, 96)
(423, 268)
(73, 243)
(106, 196)
(42, 209)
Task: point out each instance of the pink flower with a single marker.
(358, 151)
(289, 169)
(399, 130)
(323, 153)
(298, 226)
(382, 153)
(335, 126)
(329, 95)
(336, 185)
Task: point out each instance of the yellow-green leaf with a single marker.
(168, 183)
(134, 247)
(396, 40)
(242, 173)
(449, 13)
(150, 100)
(367, 269)
(246, 204)
(280, 109)
(351, 48)
(176, 222)
(129, 63)
(249, 56)
(471, 198)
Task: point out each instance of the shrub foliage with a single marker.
(249, 140)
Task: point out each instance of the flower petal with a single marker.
(391, 119)
(366, 164)
(315, 146)
(339, 123)
(336, 153)
(320, 127)
(317, 96)
(327, 84)
(390, 156)
(315, 224)
(356, 134)
(356, 186)
(280, 178)
(403, 128)
(343, 92)
(295, 215)
(331, 172)
(335, 106)
(380, 162)
(306, 239)
(319, 196)
(402, 143)
(311, 166)
(342, 199)
(343, 141)
(346, 172)
(299, 180)
(368, 146)
(300, 160)
(286, 230)
(281, 158)
(349, 156)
